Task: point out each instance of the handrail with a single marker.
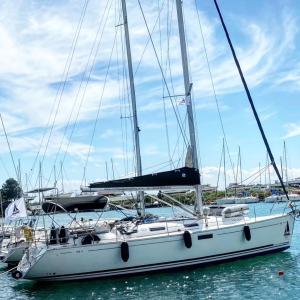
(179, 204)
(168, 204)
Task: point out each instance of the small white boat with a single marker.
(226, 200)
(237, 200)
(282, 198)
(246, 200)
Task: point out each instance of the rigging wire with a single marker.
(214, 88)
(4, 167)
(62, 84)
(168, 58)
(120, 91)
(169, 67)
(125, 94)
(219, 171)
(158, 21)
(247, 91)
(259, 172)
(95, 45)
(148, 40)
(100, 102)
(163, 76)
(193, 102)
(8, 144)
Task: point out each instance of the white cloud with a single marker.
(293, 129)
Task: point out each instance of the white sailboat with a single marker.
(237, 200)
(279, 197)
(151, 244)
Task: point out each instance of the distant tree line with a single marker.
(10, 191)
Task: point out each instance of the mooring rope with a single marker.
(8, 271)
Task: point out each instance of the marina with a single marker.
(124, 187)
(250, 278)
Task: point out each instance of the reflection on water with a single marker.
(254, 278)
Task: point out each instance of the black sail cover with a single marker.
(179, 177)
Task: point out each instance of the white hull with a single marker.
(210, 244)
(275, 199)
(15, 254)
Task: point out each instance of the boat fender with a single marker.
(187, 237)
(124, 251)
(247, 233)
(17, 274)
(53, 236)
(62, 235)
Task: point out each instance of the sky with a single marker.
(64, 94)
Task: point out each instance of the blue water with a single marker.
(253, 278)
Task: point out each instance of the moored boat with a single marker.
(146, 243)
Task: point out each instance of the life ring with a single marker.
(247, 233)
(187, 237)
(124, 251)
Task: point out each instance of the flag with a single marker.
(16, 210)
(185, 101)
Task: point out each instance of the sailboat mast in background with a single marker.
(133, 106)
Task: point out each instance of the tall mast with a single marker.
(188, 99)
(133, 104)
(286, 167)
(224, 167)
(40, 183)
(62, 177)
(54, 171)
(251, 101)
(240, 165)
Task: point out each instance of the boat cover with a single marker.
(179, 177)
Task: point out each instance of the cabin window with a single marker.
(157, 228)
(191, 225)
(205, 236)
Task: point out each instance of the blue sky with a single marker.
(36, 40)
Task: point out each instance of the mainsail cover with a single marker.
(180, 177)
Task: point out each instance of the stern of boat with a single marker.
(31, 256)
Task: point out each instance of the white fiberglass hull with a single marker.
(160, 252)
(15, 254)
(275, 199)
